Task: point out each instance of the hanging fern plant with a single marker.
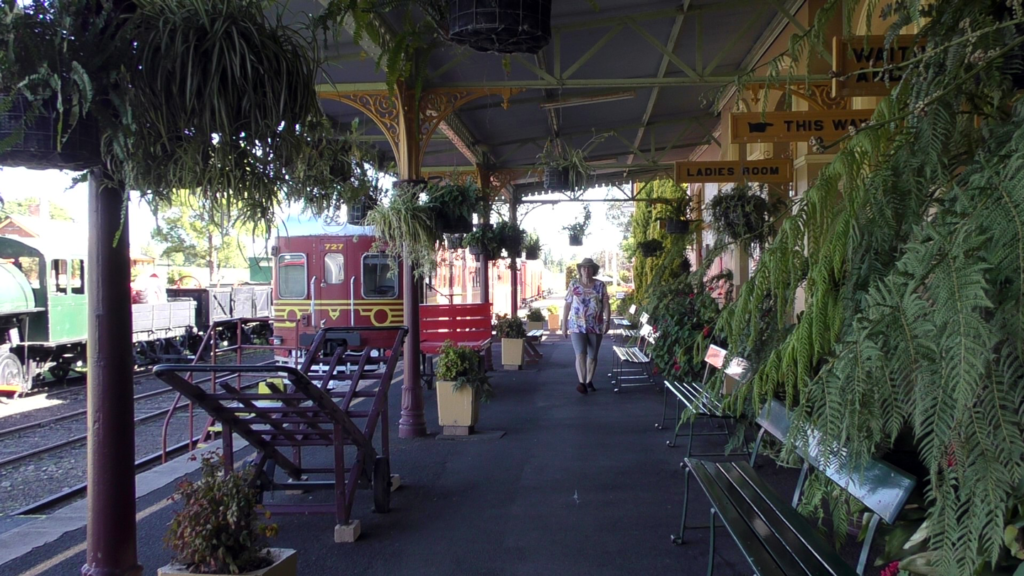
(741, 215)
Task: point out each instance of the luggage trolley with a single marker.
(298, 411)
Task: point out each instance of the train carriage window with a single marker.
(58, 276)
(334, 268)
(376, 280)
(291, 276)
(77, 277)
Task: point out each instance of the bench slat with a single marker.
(801, 540)
(741, 532)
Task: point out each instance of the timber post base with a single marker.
(347, 533)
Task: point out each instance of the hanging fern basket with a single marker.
(453, 241)
(37, 147)
(556, 179)
(575, 240)
(532, 253)
(449, 223)
(503, 26)
(674, 226)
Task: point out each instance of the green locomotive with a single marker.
(43, 313)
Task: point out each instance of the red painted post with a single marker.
(412, 423)
(111, 548)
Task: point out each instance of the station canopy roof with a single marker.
(646, 74)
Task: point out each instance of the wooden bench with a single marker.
(463, 324)
(628, 333)
(699, 402)
(633, 355)
(774, 537)
(530, 346)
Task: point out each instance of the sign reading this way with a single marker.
(762, 171)
(860, 60)
(795, 126)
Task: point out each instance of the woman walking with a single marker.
(586, 319)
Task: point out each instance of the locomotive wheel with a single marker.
(381, 485)
(12, 374)
(59, 371)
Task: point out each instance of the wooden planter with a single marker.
(503, 26)
(553, 324)
(457, 412)
(286, 563)
(512, 353)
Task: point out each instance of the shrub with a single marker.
(510, 327)
(535, 315)
(216, 531)
(461, 365)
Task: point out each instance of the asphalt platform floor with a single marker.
(575, 485)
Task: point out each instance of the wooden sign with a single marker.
(856, 56)
(830, 125)
(764, 171)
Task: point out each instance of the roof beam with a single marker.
(673, 40)
(704, 81)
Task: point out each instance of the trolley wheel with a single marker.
(12, 374)
(59, 371)
(381, 485)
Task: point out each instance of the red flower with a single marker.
(692, 295)
(891, 569)
(656, 371)
(707, 331)
(677, 367)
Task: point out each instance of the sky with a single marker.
(545, 220)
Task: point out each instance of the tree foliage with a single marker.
(910, 251)
(22, 207)
(195, 235)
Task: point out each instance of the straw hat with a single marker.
(587, 263)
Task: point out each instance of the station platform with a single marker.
(575, 485)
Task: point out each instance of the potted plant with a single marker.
(512, 333)
(483, 240)
(454, 241)
(531, 246)
(535, 319)
(404, 228)
(216, 530)
(503, 26)
(577, 230)
(676, 217)
(741, 214)
(565, 168)
(553, 312)
(461, 385)
(510, 238)
(453, 206)
(650, 247)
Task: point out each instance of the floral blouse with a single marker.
(586, 307)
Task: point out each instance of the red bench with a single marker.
(464, 324)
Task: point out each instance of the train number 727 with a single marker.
(333, 246)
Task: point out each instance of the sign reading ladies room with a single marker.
(829, 125)
(761, 171)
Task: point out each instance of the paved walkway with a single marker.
(577, 485)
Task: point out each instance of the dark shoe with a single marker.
(590, 385)
(581, 388)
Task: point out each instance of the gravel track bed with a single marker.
(36, 478)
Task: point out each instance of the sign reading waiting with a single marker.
(761, 171)
(859, 60)
(795, 126)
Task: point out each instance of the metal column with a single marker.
(111, 546)
(412, 423)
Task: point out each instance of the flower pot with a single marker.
(539, 325)
(286, 563)
(38, 147)
(556, 179)
(453, 223)
(553, 324)
(575, 240)
(453, 241)
(504, 26)
(533, 254)
(457, 408)
(673, 226)
(358, 210)
(512, 353)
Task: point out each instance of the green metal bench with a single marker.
(773, 536)
(696, 400)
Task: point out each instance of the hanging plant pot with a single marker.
(650, 248)
(533, 253)
(503, 26)
(556, 179)
(453, 241)
(358, 210)
(448, 223)
(674, 226)
(37, 148)
(575, 240)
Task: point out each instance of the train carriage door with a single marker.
(68, 309)
(333, 287)
(292, 281)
